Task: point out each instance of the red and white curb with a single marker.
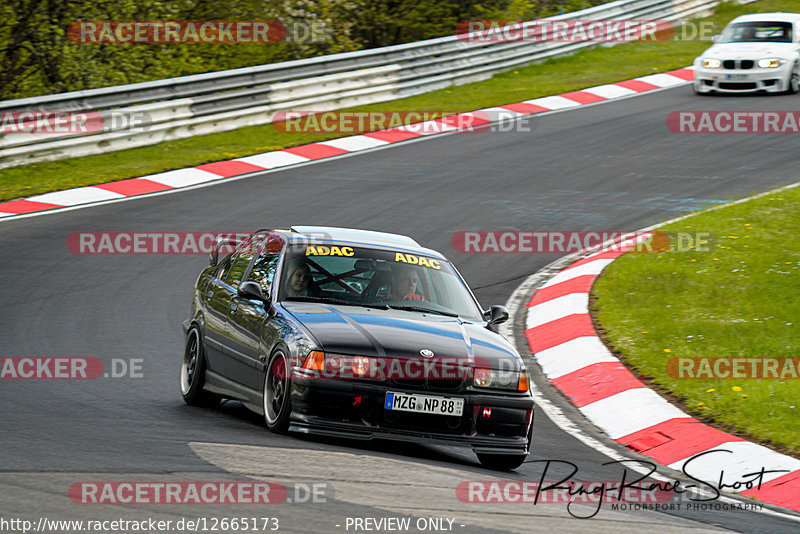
(562, 340)
(211, 172)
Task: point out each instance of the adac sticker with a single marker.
(417, 260)
(328, 251)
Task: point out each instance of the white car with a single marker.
(759, 52)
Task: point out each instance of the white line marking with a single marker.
(744, 457)
(272, 160)
(79, 195)
(183, 177)
(553, 102)
(630, 411)
(609, 91)
(593, 267)
(355, 143)
(557, 308)
(663, 80)
(572, 356)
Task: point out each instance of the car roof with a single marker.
(768, 17)
(357, 237)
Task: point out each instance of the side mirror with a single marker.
(252, 291)
(715, 38)
(496, 315)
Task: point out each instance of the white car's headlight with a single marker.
(712, 63)
(769, 63)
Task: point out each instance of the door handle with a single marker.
(209, 294)
(234, 305)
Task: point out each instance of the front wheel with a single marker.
(793, 84)
(277, 394)
(507, 462)
(193, 371)
(504, 462)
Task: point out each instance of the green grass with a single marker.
(589, 68)
(738, 299)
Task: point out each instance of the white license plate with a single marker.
(410, 402)
(736, 76)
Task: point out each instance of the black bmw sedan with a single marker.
(356, 334)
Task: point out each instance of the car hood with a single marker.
(750, 50)
(403, 334)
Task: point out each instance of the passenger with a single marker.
(404, 283)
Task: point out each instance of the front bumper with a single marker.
(355, 409)
(739, 80)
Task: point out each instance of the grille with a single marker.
(732, 64)
(411, 383)
(445, 384)
(742, 86)
(434, 384)
(433, 376)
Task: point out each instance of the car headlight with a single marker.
(496, 379)
(712, 63)
(769, 63)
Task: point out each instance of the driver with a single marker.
(404, 283)
(298, 275)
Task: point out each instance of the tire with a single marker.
(503, 462)
(793, 84)
(277, 393)
(193, 371)
(506, 462)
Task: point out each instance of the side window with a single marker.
(224, 267)
(263, 271)
(240, 260)
(237, 269)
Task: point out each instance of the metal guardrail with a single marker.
(187, 106)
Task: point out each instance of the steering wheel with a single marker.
(413, 296)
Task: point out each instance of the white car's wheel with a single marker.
(793, 84)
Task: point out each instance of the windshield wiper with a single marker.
(424, 310)
(329, 300)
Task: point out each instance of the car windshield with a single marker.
(343, 274)
(757, 32)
